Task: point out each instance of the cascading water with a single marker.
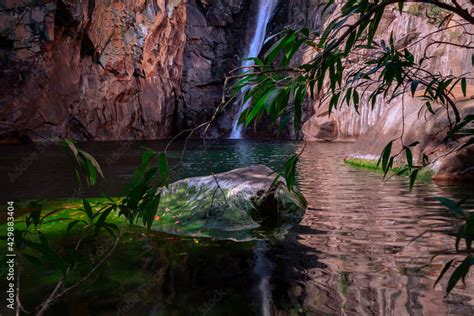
(265, 10)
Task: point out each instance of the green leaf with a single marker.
(445, 269)
(463, 86)
(270, 98)
(299, 94)
(374, 26)
(85, 164)
(409, 157)
(459, 272)
(385, 157)
(428, 106)
(414, 86)
(413, 175)
(356, 99)
(102, 218)
(459, 236)
(147, 155)
(88, 209)
(35, 215)
(350, 42)
(163, 165)
(72, 224)
(451, 205)
(289, 172)
(400, 6)
(327, 6)
(348, 96)
(90, 172)
(277, 47)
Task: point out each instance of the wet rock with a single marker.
(216, 35)
(373, 128)
(447, 163)
(320, 128)
(240, 204)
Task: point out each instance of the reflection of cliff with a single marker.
(359, 229)
(106, 70)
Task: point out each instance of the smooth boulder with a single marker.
(241, 204)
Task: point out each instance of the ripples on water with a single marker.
(350, 255)
(364, 228)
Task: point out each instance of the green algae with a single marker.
(424, 175)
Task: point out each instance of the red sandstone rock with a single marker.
(91, 69)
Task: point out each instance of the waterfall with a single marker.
(265, 10)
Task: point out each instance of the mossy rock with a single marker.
(223, 206)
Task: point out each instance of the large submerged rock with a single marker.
(241, 204)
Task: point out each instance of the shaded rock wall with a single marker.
(216, 34)
(91, 69)
(446, 161)
(108, 70)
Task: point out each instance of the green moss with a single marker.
(344, 283)
(415, 9)
(455, 35)
(367, 164)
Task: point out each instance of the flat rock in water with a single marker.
(223, 206)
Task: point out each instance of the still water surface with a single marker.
(351, 254)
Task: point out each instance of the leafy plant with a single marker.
(466, 233)
(85, 165)
(140, 201)
(142, 196)
(278, 85)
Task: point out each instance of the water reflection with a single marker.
(351, 254)
(365, 226)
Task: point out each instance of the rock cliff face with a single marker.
(410, 29)
(216, 38)
(374, 128)
(135, 69)
(107, 70)
(89, 69)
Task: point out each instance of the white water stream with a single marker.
(265, 11)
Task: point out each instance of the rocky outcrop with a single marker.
(443, 155)
(216, 36)
(410, 29)
(109, 70)
(230, 205)
(373, 128)
(90, 69)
